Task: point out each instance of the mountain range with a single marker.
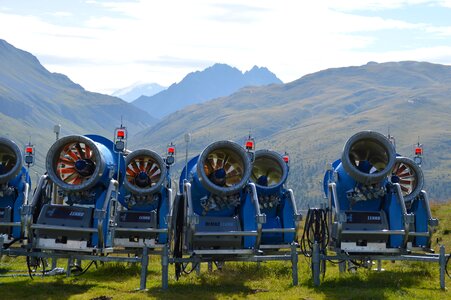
(33, 100)
(311, 118)
(197, 87)
(137, 90)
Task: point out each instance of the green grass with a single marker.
(270, 280)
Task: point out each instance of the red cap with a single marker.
(286, 158)
(418, 151)
(29, 149)
(120, 134)
(250, 145)
(171, 150)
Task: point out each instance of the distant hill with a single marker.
(197, 87)
(33, 100)
(311, 118)
(137, 90)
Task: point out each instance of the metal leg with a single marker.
(442, 262)
(69, 263)
(316, 264)
(379, 265)
(342, 266)
(198, 269)
(294, 263)
(144, 265)
(164, 267)
(54, 263)
(210, 266)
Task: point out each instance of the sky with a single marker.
(112, 44)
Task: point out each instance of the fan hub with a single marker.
(142, 180)
(85, 167)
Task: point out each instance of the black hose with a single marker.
(29, 268)
(179, 216)
(86, 269)
(315, 231)
(446, 265)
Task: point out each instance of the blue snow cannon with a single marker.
(368, 212)
(145, 208)
(15, 186)
(73, 198)
(217, 212)
(408, 174)
(269, 174)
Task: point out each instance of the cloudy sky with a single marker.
(107, 45)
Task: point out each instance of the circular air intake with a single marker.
(10, 160)
(368, 157)
(269, 170)
(224, 168)
(409, 176)
(145, 172)
(75, 163)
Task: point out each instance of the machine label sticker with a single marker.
(364, 217)
(64, 213)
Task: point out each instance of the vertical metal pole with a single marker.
(164, 267)
(316, 264)
(379, 265)
(144, 265)
(69, 263)
(442, 262)
(342, 266)
(210, 266)
(294, 263)
(198, 269)
(54, 262)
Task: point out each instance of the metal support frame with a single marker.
(317, 258)
(238, 256)
(71, 257)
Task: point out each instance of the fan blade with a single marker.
(66, 170)
(80, 151)
(88, 152)
(72, 154)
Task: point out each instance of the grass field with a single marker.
(270, 280)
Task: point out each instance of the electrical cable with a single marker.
(315, 231)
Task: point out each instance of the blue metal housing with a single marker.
(269, 174)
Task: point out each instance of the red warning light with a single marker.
(171, 150)
(418, 151)
(120, 134)
(29, 150)
(286, 158)
(250, 145)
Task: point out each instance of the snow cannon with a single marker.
(218, 211)
(15, 186)
(146, 206)
(368, 212)
(408, 174)
(82, 174)
(269, 174)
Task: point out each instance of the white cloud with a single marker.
(161, 41)
(61, 14)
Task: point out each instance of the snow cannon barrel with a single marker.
(145, 172)
(223, 168)
(10, 160)
(409, 176)
(269, 172)
(77, 163)
(368, 157)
